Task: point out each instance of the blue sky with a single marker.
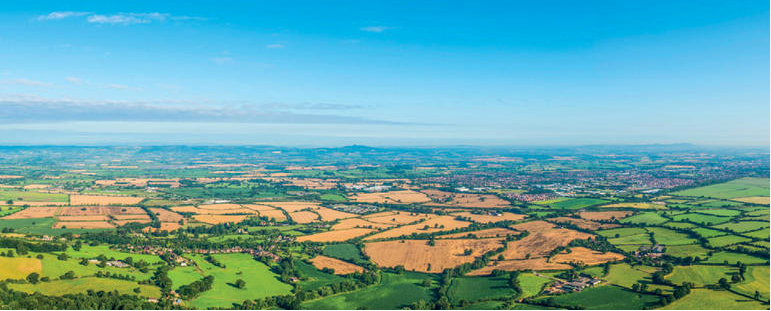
(385, 72)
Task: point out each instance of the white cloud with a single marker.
(223, 60)
(27, 82)
(122, 87)
(376, 29)
(74, 80)
(61, 15)
(275, 46)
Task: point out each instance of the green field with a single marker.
(708, 233)
(637, 239)
(183, 276)
(693, 250)
(755, 279)
(701, 218)
(344, 251)
(743, 226)
(333, 197)
(484, 305)
(679, 225)
(626, 275)
(531, 284)
(726, 240)
(40, 226)
(89, 252)
(721, 212)
(19, 197)
(260, 281)
(311, 278)
(744, 187)
(621, 232)
(478, 288)
(81, 285)
(760, 234)
(732, 258)
(670, 237)
(648, 218)
(395, 291)
(606, 298)
(706, 299)
(578, 203)
(700, 275)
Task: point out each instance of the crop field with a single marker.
(647, 218)
(25, 197)
(608, 215)
(637, 239)
(335, 235)
(582, 223)
(34, 212)
(397, 218)
(84, 224)
(670, 237)
(536, 264)
(578, 203)
(743, 226)
(484, 233)
(100, 210)
(16, 268)
(606, 298)
(700, 275)
(293, 206)
(744, 187)
(763, 200)
(78, 199)
(391, 197)
(625, 275)
(726, 240)
(165, 215)
(304, 217)
(532, 284)
(441, 223)
(331, 215)
(340, 267)
(344, 251)
(443, 198)
(478, 288)
(621, 232)
(417, 255)
(543, 238)
(219, 219)
(586, 256)
(714, 300)
(755, 279)
(312, 278)
(637, 205)
(260, 281)
(358, 223)
(486, 218)
(395, 291)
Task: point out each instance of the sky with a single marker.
(384, 73)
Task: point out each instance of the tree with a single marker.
(426, 282)
(33, 277)
(137, 290)
(723, 283)
(240, 283)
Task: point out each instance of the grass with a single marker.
(40, 226)
(638, 239)
(19, 197)
(743, 226)
(484, 305)
(732, 258)
(621, 232)
(706, 299)
(693, 250)
(54, 268)
(260, 281)
(755, 279)
(744, 187)
(761, 234)
(184, 275)
(626, 275)
(333, 197)
(18, 267)
(345, 251)
(531, 284)
(313, 278)
(578, 203)
(701, 219)
(87, 251)
(700, 275)
(81, 285)
(708, 233)
(679, 225)
(394, 291)
(648, 218)
(605, 298)
(670, 237)
(721, 212)
(726, 240)
(478, 288)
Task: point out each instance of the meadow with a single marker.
(394, 291)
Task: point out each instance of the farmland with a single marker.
(289, 230)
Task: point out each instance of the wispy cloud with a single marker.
(122, 87)
(26, 108)
(275, 46)
(61, 15)
(376, 29)
(74, 80)
(223, 60)
(128, 18)
(26, 82)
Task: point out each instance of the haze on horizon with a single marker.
(384, 73)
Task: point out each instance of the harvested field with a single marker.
(34, 212)
(84, 218)
(335, 235)
(358, 222)
(293, 206)
(486, 233)
(441, 223)
(99, 210)
(587, 256)
(165, 215)
(223, 206)
(332, 215)
(273, 214)
(169, 226)
(444, 198)
(397, 218)
(391, 197)
(340, 267)
(490, 218)
(124, 222)
(219, 219)
(609, 215)
(417, 255)
(30, 203)
(583, 224)
(218, 211)
(542, 240)
(79, 199)
(259, 207)
(84, 224)
(515, 265)
(137, 216)
(304, 217)
(754, 200)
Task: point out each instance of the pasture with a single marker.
(395, 291)
(707, 299)
(743, 187)
(700, 275)
(648, 218)
(344, 251)
(478, 288)
(606, 298)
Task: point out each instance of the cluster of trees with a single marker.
(126, 277)
(101, 300)
(192, 290)
(214, 261)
